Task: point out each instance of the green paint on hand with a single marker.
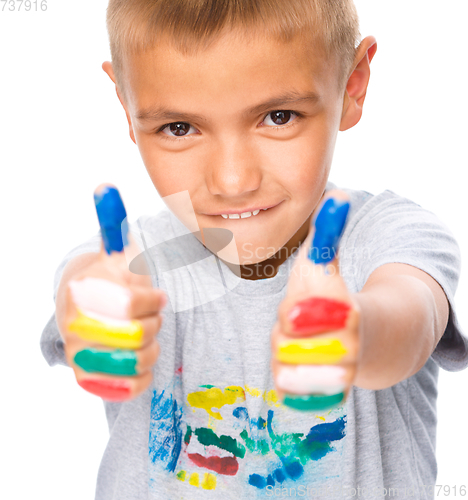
(313, 402)
(116, 362)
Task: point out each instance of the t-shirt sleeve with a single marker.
(392, 229)
(51, 342)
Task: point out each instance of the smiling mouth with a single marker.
(245, 215)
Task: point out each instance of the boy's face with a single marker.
(201, 124)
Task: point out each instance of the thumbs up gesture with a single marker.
(108, 316)
(316, 341)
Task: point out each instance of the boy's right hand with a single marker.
(110, 316)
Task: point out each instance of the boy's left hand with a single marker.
(316, 340)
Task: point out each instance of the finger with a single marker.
(328, 227)
(316, 267)
(315, 276)
(115, 389)
(112, 218)
(311, 387)
(318, 387)
(110, 299)
(118, 247)
(97, 329)
(330, 348)
(145, 302)
(316, 314)
(101, 296)
(314, 401)
(311, 379)
(120, 362)
(312, 374)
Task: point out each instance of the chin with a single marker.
(234, 249)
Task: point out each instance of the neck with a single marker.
(269, 267)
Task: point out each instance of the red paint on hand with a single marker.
(227, 466)
(110, 390)
(318, 314)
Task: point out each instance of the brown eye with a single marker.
(179, 128)
(280, 117)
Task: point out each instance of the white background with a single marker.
(63, 132)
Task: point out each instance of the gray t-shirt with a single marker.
(210, 425)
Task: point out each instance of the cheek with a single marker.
(147, 150)
(167, 177)
(317, 155)
(304, 164)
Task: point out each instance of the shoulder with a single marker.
(390, 228)
(153, 225)
(388, 215)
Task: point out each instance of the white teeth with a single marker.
(241, 216)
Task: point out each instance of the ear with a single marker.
(356, 87)
(107, 67)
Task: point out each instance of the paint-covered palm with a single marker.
(108, 316)
(316, 341)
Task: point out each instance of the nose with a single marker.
(234, 170)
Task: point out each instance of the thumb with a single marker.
(317, 264)
(112, 218)
(118, 246)
(328, 227)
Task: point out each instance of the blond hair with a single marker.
(193, 25)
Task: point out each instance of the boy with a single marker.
(235, 108)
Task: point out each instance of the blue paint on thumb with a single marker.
(329, 226)
(111, 212)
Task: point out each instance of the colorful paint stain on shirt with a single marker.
(165, 431)
(198, 455)
(215, 398)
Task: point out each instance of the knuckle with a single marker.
(148, 357)
(152, 325)
(156, 324)
(144, 382)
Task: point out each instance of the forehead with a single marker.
(230, 72)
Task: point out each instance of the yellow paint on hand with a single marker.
(209, 481)
(216, 398)
(321, 418)
(311, 351)
(194, 479)
(126, 334)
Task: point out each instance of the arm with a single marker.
(327, 339)
(404, 313)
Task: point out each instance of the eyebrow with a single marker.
(290, 97)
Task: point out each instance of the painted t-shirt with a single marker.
(211, 425)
